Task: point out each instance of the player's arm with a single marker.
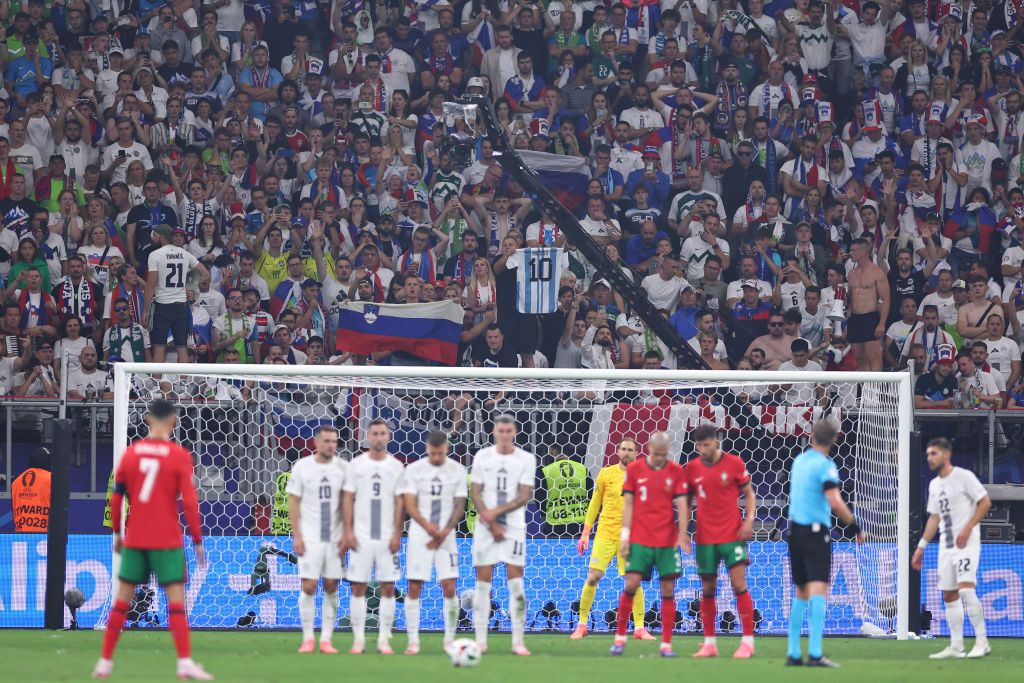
(396, 535)
(295, 517)
(117, 503)
(348, 499)
(190, 506)
(523, 495)
(842, 511)
(593, 510)
(458, 513)
(984, 503)
(415, 515)
(683, 512)
(930, 527)
(627, 521)
(750, 511)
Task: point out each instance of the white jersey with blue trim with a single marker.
(539, 270)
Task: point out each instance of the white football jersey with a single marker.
(501, 477)
(954, 499)
(538, 273)
(172, 265)
(319, 487)
(436, 488)
(375, 483)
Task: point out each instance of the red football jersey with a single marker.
(716, 491)
(153, 474)
(654, 493)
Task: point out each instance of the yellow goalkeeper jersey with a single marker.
(607, 501)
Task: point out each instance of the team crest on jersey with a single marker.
(725, 478)
(370, 313)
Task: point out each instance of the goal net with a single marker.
(246, 425)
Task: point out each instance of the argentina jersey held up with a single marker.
(538, 272)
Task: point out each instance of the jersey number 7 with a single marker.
(150, 468)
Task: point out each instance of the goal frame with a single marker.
(903, 380)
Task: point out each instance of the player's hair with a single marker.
(624, 440)
(325, 428)
(378, 421)
(504, 419)
(437, 438)
(161, 409)
(941, 443)
(824, 432)
(705, 433)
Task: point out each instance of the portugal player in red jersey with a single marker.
(652, 493)
(716, 480)
(153, 473)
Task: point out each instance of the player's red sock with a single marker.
(668, 619)
(115, 624)
(708, 615)
(745, 606)
(179, 630)
(622, 616)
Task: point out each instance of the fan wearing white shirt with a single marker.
(314, 509)
(1003, 352)
(168, 269)
(957, 502)
(697, 248)
(664, 286)
(502, 485)
(801, 393)
(977, 155)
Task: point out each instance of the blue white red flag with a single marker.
(429, 331)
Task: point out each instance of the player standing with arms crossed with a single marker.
(813, 497)
(717, 479)
(957, 502)
(314, 507)
(373, 516)
(650, 535)
(502, 484)
(607, 501)
(154, 473)
(435, 498)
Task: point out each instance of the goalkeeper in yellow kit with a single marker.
(607, 501)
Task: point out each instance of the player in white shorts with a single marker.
(502, 484)
(957, 502)
(435, 498)
(314, 508)
(372, 510)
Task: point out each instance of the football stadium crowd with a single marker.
(793, 184)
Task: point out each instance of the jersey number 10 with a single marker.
(540, 269)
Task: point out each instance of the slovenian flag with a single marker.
(429, 331)
(566, 177)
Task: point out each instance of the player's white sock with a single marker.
(330, 616)
(307, 611)
(517, 607)
(975, 612)
(358, 617)
(749, 640)
(955, 622)
(482, 610)
(387, 619)
(412, 620)
(185, 661)
(451, 617)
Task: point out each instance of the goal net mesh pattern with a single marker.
(245, 431)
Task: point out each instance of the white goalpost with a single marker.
(246, 424)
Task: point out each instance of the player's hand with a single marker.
(396, 544)
(917, 561)
(117, 543)
(624, 549)
(962, 538)
(298, 546)
(498, 531)
(747, 530)
(200, 556)
(341, 547)
(584, 544)
(487, 516)
(862, 537)
(684, 543)
(433, 544)
(880, 330)
(350, 542)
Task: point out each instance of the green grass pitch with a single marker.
(257, 657)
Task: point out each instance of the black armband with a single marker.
(854, 527)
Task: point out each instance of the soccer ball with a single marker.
(464, 653)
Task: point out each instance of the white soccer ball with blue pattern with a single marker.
(464, 653)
